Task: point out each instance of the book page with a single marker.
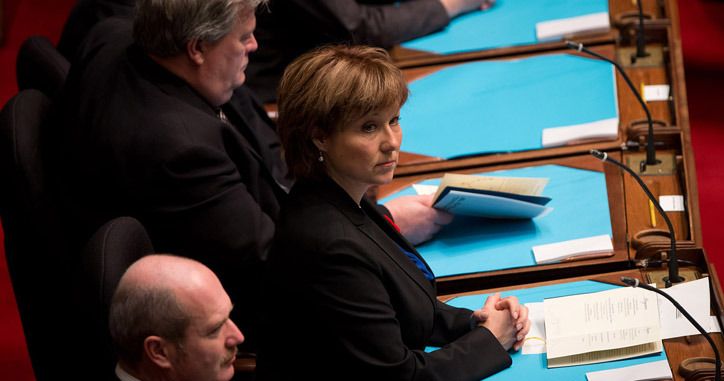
(518, 185)
(619, 318)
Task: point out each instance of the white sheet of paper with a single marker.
(602, 129)
(713, 325)
(535, 340)
(673, 203)
(558, 251)
(613, 319)
(424, 189)
(555, 29)
(656, 93)
(647, 371)
(694, 297)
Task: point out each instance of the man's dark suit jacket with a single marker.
(136, 140)
(345, 303)
(289, 28)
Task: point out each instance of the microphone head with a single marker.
(598, 154)
(574, 45)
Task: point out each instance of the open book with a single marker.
(602, 326)
(492, 197)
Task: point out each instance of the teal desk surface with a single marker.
(508, 23)
(504, 106)
(534, 367)
(471, 245)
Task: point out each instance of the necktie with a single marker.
(220, 114)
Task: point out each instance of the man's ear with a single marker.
(159, 351)
(195, 50)
(320, 140)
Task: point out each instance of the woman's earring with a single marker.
(321, 157)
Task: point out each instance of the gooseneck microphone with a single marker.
(640, 36)
(673, 263)
(633, 282)
(650, 149)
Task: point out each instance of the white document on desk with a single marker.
(555, 29)
(695, 298)
(596, 246)
(606, 129)
(535, 340)
(602, 326)
(655, 370)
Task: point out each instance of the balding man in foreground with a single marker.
(169, 320)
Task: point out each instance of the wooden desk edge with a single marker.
(677, 349)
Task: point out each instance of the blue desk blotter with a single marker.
(534, 367)
(503, 106)
(507, 23)
(470, 245)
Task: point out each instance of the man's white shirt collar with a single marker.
(123, 375)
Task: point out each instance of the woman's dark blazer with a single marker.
(344, 302)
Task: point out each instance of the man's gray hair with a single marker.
(138, 312)
(163, 27)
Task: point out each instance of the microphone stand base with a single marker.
(655, 57)
(665, 167)
(661, 276)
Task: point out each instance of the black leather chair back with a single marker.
(84, 16)
(40, 66)
(110, 251)
(32, 248)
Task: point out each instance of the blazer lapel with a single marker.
(391, 241)
(379, 233)
(390, 248)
